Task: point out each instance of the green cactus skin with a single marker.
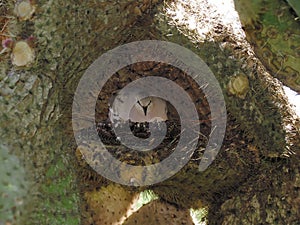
(13, 186)
(274, 32)
(295, 4)
(157, 212)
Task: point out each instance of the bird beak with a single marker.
(145, 108)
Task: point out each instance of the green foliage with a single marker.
(144, 198)
(60, 197)
(199, 216)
